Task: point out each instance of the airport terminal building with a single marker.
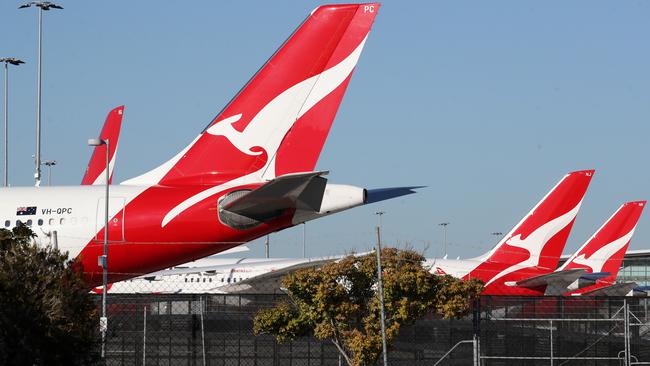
(636, 267)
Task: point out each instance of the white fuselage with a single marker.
(76, 213)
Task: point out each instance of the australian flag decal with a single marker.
(22, 211)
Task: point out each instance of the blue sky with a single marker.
(486, 103)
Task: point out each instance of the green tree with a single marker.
(339, 302)
(47, 316)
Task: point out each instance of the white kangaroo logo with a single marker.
(535, 242)
(239, 139)
(271, 124)
(597, 260)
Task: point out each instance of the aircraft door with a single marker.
(115, 219)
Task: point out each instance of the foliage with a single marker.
(339, 302)
(47, 316)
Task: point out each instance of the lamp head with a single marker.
(96, 142)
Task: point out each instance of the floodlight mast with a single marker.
(7, 61)
(42, 6)
(49, 164)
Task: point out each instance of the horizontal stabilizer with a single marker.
(555, 281)
(382, 194)
(594, 276)
(639, 293)
(233, 250)
(300, 191)
(273, 280)
(618, 289)
(642, 288)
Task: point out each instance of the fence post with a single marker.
(476, 347)
(202, 332)
(144, 336)
(551, 340)
(626, 333)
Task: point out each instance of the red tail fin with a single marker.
(279, 121)
(539, 238)
(604, 251)
(97, 164)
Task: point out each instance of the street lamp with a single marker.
(444, 230)
(42, 6)
(15, 62)
(103, 260)
(49, 164)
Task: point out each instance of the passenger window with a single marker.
(40, 222)
(51, 222)
(62, 221)
(7, 223)
(18, 222)
(29, 222)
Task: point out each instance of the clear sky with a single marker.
(486, 103)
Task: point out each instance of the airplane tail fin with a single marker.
(97, 165)
(277, 124)
(539, 238)
(605, 250)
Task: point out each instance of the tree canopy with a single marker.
(47, 316)
(339, 302)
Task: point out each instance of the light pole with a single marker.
(15, 62)
(444, 231)
(42, 6)
(49, 164)
(380, 286)
(304, 239)
(103, 260)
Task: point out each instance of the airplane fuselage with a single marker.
(138, 241)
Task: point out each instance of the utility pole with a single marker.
(444, 231)
(304, 239)
(380, 286)
(42, 6)
(15, 62)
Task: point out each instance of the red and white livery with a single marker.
(602, 255)
(96, 170)
(532, 248)
(249, 173)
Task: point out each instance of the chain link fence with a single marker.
(216, 329)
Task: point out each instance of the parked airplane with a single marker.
(96, 170)
(250, 172)
(602, 262)
(532, 248)
(219, 275)
(593, 268)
